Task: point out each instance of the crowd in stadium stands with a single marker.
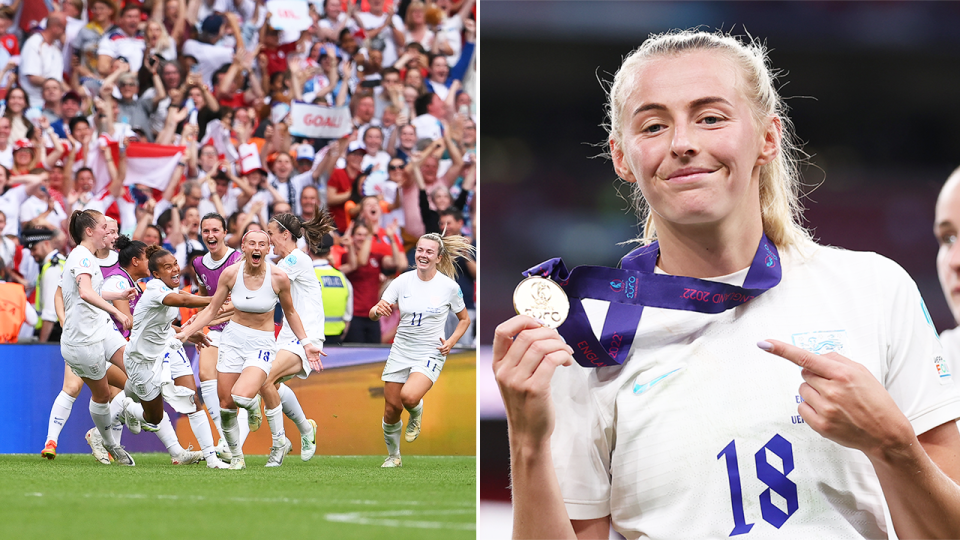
(158, 112)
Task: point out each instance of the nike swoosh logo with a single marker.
(250, 298)
(641, 388)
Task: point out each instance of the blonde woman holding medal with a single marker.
(733, 377)
(424, 297)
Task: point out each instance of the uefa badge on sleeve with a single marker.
(943, 372)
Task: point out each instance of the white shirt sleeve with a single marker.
(106, 46)
(581, 444)
(30, 61)
(456, 299)
(918, 377)
(392, 294)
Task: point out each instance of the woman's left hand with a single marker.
(313, 356)
(444, 347)
(200, 340)
(845, 403)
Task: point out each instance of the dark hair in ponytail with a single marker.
(128, 249)
(321, 224)
(80, 221)
(154, 254)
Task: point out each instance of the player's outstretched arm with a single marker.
(525, 356)
(224, 285)
(845, 403)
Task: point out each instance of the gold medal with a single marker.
(542, 299)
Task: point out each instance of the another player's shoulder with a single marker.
(277, 273)
(842, 264)
(157, 285)
(115, 282)
(296, 259)
(111, 259)
(81, 257)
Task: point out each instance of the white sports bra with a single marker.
(261, 300)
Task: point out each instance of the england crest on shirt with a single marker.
(821, 342)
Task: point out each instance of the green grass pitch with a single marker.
(335, 497)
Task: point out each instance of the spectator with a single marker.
(87, 43)
(451, 223)
(373, 146)
(383, 30)
(124, 41)
(70, 103)
(275, 53)
(205, 52)
(363, 112)
(73, 10)
(451, 27)
(132, 111)
(430, 112)
(363, 268)
(343, 185)
(6, 149)
(8, 41)
(415, 22)
(174, 19)
(333, 22)
(390, 92)
(42, 58)
(170, 79)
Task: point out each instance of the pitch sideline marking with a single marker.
(376, 518)
(242, 499)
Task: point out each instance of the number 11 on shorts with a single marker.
(768, 474)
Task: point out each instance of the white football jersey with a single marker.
(423, 312)
(697, 434)
(83, 323)
(152, 332)
(307, 296)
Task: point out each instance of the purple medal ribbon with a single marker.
(635, 285)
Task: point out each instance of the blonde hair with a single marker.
(163, 42)
(451, 247)
(780, 207)
(414, 5)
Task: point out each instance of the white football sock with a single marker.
(168, 436)
(246, 403)
(415, 412)
(117, 428)
(59, 413)
(391, 436)
(242, 415)
(201, 428)
(231, 431)
(208, 390)
(293, 410)
(116, 406)
(100, 412)
(275, 420)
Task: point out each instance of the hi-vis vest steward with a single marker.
(334, 286)
(58, 261)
